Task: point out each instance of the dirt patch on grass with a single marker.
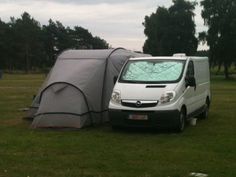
(12, 122)
(14, 87)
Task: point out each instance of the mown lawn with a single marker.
(209, 147)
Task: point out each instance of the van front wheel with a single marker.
(181, 121)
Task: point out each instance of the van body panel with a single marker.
(132, 91)
(196, 97)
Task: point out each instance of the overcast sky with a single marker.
(118, 22)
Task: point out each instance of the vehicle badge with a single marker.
(138, 103)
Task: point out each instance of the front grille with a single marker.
(139, 104)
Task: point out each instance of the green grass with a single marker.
(100, 152)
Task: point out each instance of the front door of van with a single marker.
(190, 93)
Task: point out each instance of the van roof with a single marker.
(168, 58)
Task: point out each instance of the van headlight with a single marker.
(167, 97)
(115, 97)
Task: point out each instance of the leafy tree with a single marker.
(3, 44)
(157, 31)
(83, 39)
(171, 30)
(55, 40)
(25, 45)
(58, 38)
(27, 41)
(99, 43)
(202, 53)
(220, 16)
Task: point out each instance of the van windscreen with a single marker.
(152, 71)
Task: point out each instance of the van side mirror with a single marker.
(190, 81)
(115, 79)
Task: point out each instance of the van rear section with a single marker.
(160, 92)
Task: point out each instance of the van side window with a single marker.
(190, 71)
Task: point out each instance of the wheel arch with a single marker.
(184, 108)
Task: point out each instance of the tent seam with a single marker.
(70, 113)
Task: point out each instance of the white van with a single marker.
(161, 92)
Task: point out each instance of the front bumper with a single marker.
(156, 119)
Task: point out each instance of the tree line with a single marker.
(26, 45)
(172, 30)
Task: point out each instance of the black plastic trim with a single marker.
(162, 119)
(155, 86)
(196, 112)
(143, 105)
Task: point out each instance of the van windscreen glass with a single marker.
(152, 71)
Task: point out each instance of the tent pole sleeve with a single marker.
(104, 77)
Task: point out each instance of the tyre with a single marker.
(205, 113)
(181, 121)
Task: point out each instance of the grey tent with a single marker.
(77, 90)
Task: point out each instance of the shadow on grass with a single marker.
(106, 127)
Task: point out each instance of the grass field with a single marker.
(209, 147)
